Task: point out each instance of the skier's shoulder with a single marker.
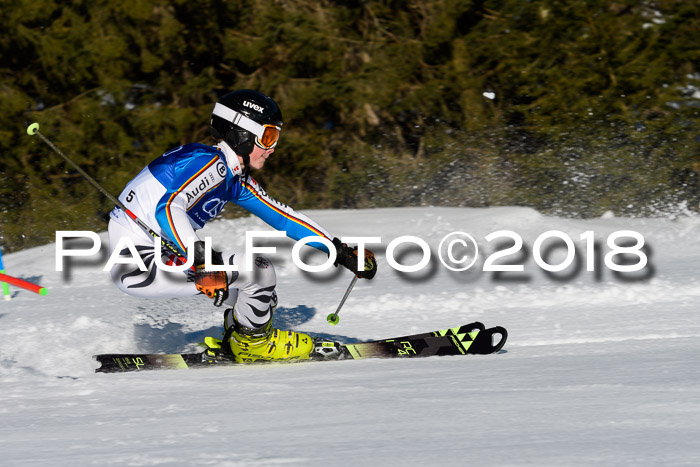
(194, 155)
(200, 152)
(187, 161)
(187, 152)
(209, 159)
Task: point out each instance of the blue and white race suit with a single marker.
(177, 194)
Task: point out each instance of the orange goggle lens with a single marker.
(269, 137)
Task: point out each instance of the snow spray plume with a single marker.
(33, 129)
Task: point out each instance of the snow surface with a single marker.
(598, 368)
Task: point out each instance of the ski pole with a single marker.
(33, 129)
(333, 319)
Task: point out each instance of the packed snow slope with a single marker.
(600, 368)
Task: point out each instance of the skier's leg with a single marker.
(253, 298)
(154, 282)
(251, 293)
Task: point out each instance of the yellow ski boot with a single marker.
(267, 343)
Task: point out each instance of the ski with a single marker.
(464, 329)
(115, 363)
(463, 340)
(471, 338)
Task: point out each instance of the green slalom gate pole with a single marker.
(5, 285)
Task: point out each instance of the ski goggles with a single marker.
(266, 136)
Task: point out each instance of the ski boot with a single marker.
(214, 353)
(250, 345)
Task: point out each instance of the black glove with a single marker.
(214, 284)
(347, 256)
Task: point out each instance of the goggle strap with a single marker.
(238, 119)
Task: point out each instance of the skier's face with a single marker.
(258, 157)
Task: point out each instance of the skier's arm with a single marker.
(171, 211)
(348, 257)
(174, 222)
(280, 216)
(298, 226)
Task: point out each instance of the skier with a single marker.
(180, 191)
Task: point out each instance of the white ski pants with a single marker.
(250, 292)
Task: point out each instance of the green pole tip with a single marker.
(43, 291)
(333, 319)
(33, 128)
